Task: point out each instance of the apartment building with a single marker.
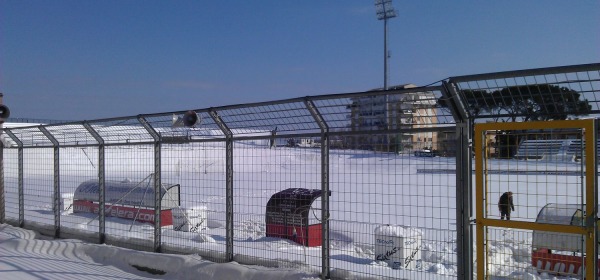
(410, 110)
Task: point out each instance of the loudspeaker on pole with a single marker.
(4, 112)
(190, 118)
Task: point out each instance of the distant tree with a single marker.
(530, 102)
(477, 101)
(540, 102)
(536, 103)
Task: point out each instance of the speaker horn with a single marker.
(190, 118)
(4, 111)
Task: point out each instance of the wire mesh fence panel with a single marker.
(267, 120)
(127, 130)
(192, 160)
(274, 161)
(509, 254)
(277, 190)
(545, 167)
(528, 95)
(525, 253)
(130, 198)
(11, 185)
(393, 214)
(77, 165)
(199, 215)
(38, 188)
(392, 205)
(37, 162)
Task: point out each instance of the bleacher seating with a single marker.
(552, 150)
(576, 147)
(542, 149)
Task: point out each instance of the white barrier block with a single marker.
(191, 220)
(398, 246)
(66, 202)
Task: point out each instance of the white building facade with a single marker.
(409, 110)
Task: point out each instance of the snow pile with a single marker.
(32, 258)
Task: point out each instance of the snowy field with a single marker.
(369, 190)
(25, 257)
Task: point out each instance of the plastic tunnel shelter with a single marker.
(289, 215)
(128, 200)
(559, 253)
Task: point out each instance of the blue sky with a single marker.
(76, 60)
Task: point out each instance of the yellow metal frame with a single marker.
(589, 231)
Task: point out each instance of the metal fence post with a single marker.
(592, 200)
(464, 231)
(20, 176)
(2, 198)
(326, 254)
(463, 201)
(595, 178)
(157, 183)
(56, 194)
(228, 183)
(101, 183)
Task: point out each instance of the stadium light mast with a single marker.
(385, 11)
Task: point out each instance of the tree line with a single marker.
(540, 102)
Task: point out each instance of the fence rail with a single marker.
(375, 164)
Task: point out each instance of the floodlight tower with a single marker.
(385, 11)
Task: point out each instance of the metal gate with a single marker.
(536, 212)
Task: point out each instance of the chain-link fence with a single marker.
(359, 185)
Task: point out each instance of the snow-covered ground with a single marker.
(24, 257)
(369, 189)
